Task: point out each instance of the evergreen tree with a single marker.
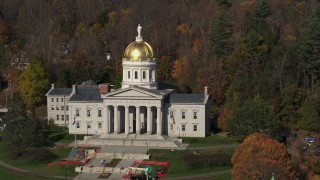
(220, 35)
(15, 121)
(309, 112)
(254, 116)
(309, 50)
(33, 134)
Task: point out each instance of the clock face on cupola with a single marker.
(139, 64)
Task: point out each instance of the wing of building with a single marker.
(141, 106)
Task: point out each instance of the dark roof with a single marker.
(186, 98)
(60, 91)
(87, 94)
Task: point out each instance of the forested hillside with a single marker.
(251, 53)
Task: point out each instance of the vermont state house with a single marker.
(140, 106)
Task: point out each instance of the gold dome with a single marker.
(139, 50)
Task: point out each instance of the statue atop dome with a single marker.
(139, 37)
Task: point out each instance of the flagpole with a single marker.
(75, 132)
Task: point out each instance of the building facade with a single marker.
(141, 106)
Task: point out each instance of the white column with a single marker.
(107, 120)
(126, 120)
(138, 120)
(116, 120)
(149, 120)
(159, 121)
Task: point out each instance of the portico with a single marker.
(132, 119)
(139, 114)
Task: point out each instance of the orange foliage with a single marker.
(215, 77)
(259, 156)
(181, 71)
(3, 31)
(223, 119)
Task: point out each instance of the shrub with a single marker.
(203, 161)
(57, 136)
(37, 155)
(15, 151)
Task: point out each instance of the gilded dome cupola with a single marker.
(139, 50)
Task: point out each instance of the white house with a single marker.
(141, 106)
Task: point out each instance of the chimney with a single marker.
(104, 88)
(74, 89)
(52, 86)
(206, 90)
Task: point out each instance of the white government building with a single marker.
(140, 106)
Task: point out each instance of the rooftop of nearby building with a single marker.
(60, 92)
(86, 94)
(186, 98)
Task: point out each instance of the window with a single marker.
(171, 127)
(99, 125)
(183, 115)
(52, 99)
(183, 127)
(88, 113)
(143, 75)
(78, 124)
(57, 108)
(136, 74)
(61, 99)
(99, 113)
(128, 74)
(62, 117)
(67, 108)
(171, 114)
(57, 117)
(89, 125)
(195, 128)
(77, 112)
(52, 108)
(57, 99)
(62, 108)
(195, 115)
(67, 117)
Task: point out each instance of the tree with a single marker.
(33, 134)
(309, 50)
(33, 83)
(215, 77)
(224, 117)
(15, 124)
(254, 116)
(260, 157)
(309, 112)
(220, 34)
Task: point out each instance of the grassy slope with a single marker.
(178, 166)
(42, 168)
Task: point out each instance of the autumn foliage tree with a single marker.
(33, 83)
(260, 157)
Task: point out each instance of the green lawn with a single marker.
(69, 138)
(41, 168)
(7, 174)
(178, 167)
(210, 141)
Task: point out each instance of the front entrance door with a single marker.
(134, 126)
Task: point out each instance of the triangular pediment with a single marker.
(133, 93)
